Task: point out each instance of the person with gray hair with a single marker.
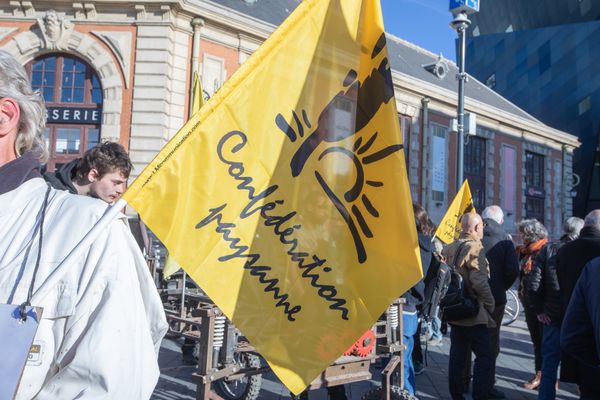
(21, 106)
(534, 236)
(105, 316)
(572, 227)
(504, 269)
(543, 293)
(494, 213)
(570, 260)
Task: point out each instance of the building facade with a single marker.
(544, 56)
(122, 71)
(512, 159)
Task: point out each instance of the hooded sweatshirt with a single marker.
(62, 179)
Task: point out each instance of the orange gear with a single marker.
(351, 350)
(363, 346)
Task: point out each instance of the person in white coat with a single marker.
(102, 324)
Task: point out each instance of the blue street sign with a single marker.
(467, 6)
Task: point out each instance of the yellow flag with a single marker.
(449, 229)
(170, 267)
(197, 102)
(198, 99)
(286, 197)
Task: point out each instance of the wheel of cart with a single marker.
(395, 394)
(245, 387)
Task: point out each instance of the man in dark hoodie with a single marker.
(102, 173)
(544, 295)
(504, 269)
(570, 260)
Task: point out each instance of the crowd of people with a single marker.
(557, 287)
(110, 286)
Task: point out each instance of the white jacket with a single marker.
(102, 324)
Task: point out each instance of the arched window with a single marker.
(73, 96)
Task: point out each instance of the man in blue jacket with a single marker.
(580, 334)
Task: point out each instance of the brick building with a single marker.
(121, 70)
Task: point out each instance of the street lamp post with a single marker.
(460, 9)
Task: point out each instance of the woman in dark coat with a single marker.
(534, 236)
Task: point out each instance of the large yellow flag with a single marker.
(286, 197)
(449, 229)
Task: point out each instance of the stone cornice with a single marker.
(93, 11)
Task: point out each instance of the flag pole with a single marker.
(83, 245)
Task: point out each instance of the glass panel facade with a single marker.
(548, 66)
(68, 140)
(534, 186)
(474, 169)
(43, 77)
(93, 137)
(534, 170)
(439, 174)
(509, 179)
(534, 208)
(96, 90)
(73, 81)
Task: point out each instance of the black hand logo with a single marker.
(364, 99)
(367, 97)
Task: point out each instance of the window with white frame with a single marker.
(213, 73)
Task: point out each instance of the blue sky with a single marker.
(423, 22)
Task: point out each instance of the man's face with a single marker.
(108, 188)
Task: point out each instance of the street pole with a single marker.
(460, 23)
(197, 24)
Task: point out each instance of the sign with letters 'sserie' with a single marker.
(286, 196)
(73, 115)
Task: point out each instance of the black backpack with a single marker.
(456, 303)
(435, 289)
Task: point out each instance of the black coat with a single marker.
(570, 260)
(502, 257)
(414, 297)
(543, 289)
(580, 333)
(572, 257)
(62, 179)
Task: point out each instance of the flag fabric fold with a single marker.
(286, 196)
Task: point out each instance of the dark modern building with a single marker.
(544, 56)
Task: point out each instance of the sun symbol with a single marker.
(348, 208)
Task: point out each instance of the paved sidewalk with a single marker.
(515, 365)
